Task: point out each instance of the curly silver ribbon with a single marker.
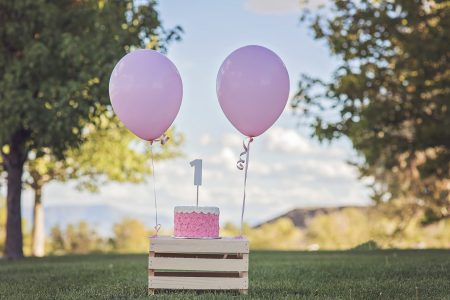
(240, 165)
(163, 139)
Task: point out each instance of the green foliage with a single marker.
(367, 246)
(109, 153)
(345, 229)
(351, 227)
(280, 235)
(391, 98)
(130, 236)
(76, 239)
(273, 275)
(341, 230)
(56, 60)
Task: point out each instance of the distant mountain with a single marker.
(302, 216)
(100, 217)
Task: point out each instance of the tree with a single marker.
(130, 236)
(341, 229)
(2, 223)
(54, 70)
(26, 234)
(281, 235)
(391, 98)
(109, 153)
(76, 239)
(278, 235)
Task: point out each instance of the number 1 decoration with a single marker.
(197, 164)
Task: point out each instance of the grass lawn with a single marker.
(392, 274)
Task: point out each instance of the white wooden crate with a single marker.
(198, 264)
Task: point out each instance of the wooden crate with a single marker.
(196, 264)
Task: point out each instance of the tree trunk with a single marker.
(14, 161)
(38, 232)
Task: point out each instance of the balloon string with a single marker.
(240, 166)
(157, 225)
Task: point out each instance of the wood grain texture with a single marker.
(223, 245)
(200, 255)
(197, 283)
(198, 274)
(151, 271)
(197, 264)
(244, 274)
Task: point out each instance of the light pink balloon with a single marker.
(253, 88)
(145, 89)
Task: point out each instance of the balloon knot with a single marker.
(157, 228)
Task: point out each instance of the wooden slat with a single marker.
(198, 274)
(197, 264)
(223, 245)
(197, 283)
(199, 255)
(244, 274)
(151, 273)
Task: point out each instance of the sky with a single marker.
(288, 168)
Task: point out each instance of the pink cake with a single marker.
(196, 222)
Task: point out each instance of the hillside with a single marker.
(301, 216)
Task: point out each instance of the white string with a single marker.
(157, 225)
(240, 166)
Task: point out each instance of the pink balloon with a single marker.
(253, 89)
(146, 91)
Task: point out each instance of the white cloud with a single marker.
(260, 168)
(226, 158)
(331, 169)
(287, 141)
(281, 7)
(232, 140)
(205, 139)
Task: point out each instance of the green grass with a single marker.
(392, 274)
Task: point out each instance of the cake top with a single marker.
(198, 209)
